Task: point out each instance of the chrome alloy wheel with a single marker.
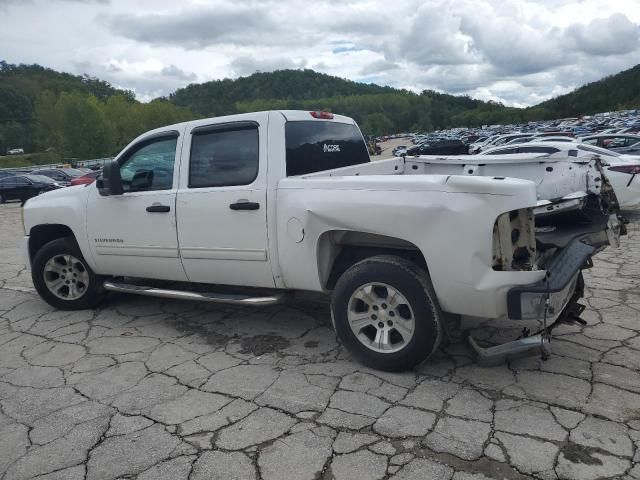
(381, 317)
(66, 277)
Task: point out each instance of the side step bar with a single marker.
(232, 299)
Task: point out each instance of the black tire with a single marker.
(410, 281)
(2, 199)
(93, 292)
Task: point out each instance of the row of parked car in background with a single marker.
(618, 131)
(25, 183)
(613, 136)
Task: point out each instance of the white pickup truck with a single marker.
(277, 201)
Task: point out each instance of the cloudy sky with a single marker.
(519, 52)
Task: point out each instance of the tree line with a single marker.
(73, 116)
(84, 117)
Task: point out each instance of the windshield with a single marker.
(598, 150)
(39, 178)
(314, 146)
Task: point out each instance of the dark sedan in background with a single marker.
(60, 175)
(23, 187)
(442, 147)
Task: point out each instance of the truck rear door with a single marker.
(221, 202)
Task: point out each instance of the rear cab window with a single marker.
(314, 146)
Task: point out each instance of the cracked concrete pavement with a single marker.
(149, 389)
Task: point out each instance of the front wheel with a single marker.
(62, 277)
(386, 313)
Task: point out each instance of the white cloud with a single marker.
(513, 46)
(434, 37)
(196, 27)
(519, 52)
(606, 36)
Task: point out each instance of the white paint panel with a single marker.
(220, 245)
(138, 251)
(250, 255)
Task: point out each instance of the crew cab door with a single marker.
(221, 203)
(134, 234)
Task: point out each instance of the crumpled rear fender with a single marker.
(449, 219)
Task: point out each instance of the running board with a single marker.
(499, 353)
(232, 299)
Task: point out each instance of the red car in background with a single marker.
(86, 179)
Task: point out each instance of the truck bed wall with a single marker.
(555, 177)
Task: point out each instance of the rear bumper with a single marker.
(554, 292)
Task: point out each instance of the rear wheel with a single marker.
(62, 277)
(385, 312)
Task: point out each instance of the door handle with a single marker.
(244, 206)
(158, 208)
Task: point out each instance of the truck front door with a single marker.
(134, 234)
(221, 203)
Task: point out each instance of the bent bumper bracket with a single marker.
(563, 273)
(499, 353)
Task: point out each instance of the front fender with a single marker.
(67, 207)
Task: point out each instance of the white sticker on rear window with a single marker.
(331, 148)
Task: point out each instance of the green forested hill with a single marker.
(616, 92)
(385, 109)
(82, 117)
(73, 116)
(377, 109)
(219, 97)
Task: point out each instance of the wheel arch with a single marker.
(338, 250)
(40, 235)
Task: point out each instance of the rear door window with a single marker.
(314, 146)
(598, 150)
(8, 181)
(223, 156)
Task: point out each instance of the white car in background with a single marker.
(623, 171)
(499, 140)
(477, 146)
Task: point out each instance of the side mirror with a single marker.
(111, 181)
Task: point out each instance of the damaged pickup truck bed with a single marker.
(575, 198)
(272, 202)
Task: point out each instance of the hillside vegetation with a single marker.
(377, 109)
(616, 92)
(83, 117)
(73, 116)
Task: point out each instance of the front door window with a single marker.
(150, 166)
